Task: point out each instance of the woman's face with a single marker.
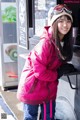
(64, 25)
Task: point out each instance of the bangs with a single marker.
(65, 16)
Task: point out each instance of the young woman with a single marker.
(45, 64)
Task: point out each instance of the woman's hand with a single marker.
(65, 69)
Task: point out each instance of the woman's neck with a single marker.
(61, 36)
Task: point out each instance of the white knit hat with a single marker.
(53, 15)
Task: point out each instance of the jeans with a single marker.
(31, 111)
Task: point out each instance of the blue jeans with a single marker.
(31, 111)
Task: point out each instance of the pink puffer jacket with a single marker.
(38, 82)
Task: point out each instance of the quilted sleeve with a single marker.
(40, 62)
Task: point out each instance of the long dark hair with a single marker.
(64, 52)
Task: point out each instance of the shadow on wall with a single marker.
(77, 101)
(65, 108)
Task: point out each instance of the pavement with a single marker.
(10, 107)
(3, 114)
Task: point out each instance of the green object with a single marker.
(9, 14)
(13, 54)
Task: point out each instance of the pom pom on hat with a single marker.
(58, 11)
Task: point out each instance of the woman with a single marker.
(45, 65)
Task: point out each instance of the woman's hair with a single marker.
(64, 52)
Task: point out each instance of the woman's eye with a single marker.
(69, 21)
(61, 21)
